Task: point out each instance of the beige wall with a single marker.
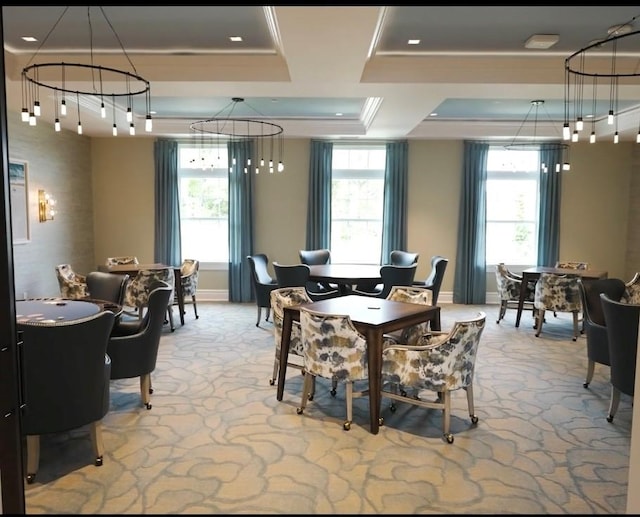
(595, 203)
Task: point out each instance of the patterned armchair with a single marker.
(440, 362)
(189, 280)
(632, 290)
(406, 294)
(333, 349)
(557, 293)
(508, 285)
(121, 261)
(138, 289)
(568, 264)
(72, 285)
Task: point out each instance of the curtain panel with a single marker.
(167, 243)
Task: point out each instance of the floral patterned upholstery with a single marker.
(508, 285)
(138, 289)
(406, 294)
(443, 364)
(121, 261)
(189, 278)
(72, 285)
(572, 265)
(333, 349)
(632, 291)
(280, 298)
(558, 293)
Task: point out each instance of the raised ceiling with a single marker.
(302, 65)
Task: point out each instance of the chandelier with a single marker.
(267, 137)
(523, 142)
(606, 64)
(110, 88)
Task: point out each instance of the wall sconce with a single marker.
(45, 206)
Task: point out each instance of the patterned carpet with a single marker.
(218, 441)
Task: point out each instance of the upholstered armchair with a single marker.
(135, 354)
(410, 294)
(572, 264)
(121, 261)
(313, 258)
(66, 374)
(107, 286)
(138, 290)
(632, 290)
(332, 348)
(440, 362)
(189, 272)
(403, 258)
(557, 293)
(622, 332)
(595, 328)
(72, 285)
(262, 283)
(509, 285)
(436, 275)
(297, 275)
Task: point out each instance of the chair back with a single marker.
(136, 354)
(287, 297)
(559, 293)
(121, 261)
(572, 264)
(632, 290)
(403, 258)
(66, 372)
(508, 287)
(107, 286)
(590, 291)
(396, 275)
(315, 257)
(434, 280)
(295, 275)
(622, 330)
(419, 295)
(139, 289)
(332, 346)
(259, 269)
(72, 285)
(189, 271)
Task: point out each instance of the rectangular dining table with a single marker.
(373, 317)
(132, 270)
(533, 273)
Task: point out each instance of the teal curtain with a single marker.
(394, 216)
(240, 220)
(319, 196)
(167, 243)
(469, 285)
(550, 194)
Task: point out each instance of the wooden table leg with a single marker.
(523, 295)
(287, 322)
(179, 293)
(374, 348)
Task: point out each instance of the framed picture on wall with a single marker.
(18, 185)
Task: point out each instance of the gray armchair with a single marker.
(263, 283)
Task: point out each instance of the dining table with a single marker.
(533, 273)
(373, 317)
(132, 270)
(42, 311)
(345, 275)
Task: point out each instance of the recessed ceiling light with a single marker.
(542, 41)
(434, 114)
(29, 38)
(413, 42)
(338, 114)
(236, 38)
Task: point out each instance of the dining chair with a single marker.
(409, 294)
(72, 285)
(632, 290)
(439, 362)
(622, 333)
(262, 283)
(297, 275)
(595, 328)
(332, 348)
(314, 258)
(436, 275)
(65, 372)
(135, 354)
(138, 291)
(391, 275)
(121, 261)
(508, 285)
(557, 293)
(189, 273)
(403, 258)
(107, 286)
(572, 264)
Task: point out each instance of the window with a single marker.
(357, 190)
(204, 202)
(512, 206)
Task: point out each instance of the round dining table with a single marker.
(345, 275)
(57, 310)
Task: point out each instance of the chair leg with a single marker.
(259, 314)
(266, 318)
(539, 321)
(591, 365)
(349, 398)
(615, 402)
(145, 389)
(274, 377)
(95, 430)
(170, 316)
(501, 310)
(195, 306)
(576, 329)
(306, 389)
(446, 415)
(33, 456)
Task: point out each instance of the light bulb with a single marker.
(557, 167)
(36, 108)
(25, 115)
(129, 115)
(63, 108)
(280, 166)
(566, 166)
(103, 110)
(257, 170)
(566, 132)
(56, 125)
(638, 138)
(32, 119)
(114, 131)
(592, 138)
(148, 124)
(79, 128)
(616, 138)
(574, 136)
(132, 129)
(579, 124)
(610, 118)
(261, 162)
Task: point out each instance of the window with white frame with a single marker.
(357, 191)
(512, 206)
(204, 202)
